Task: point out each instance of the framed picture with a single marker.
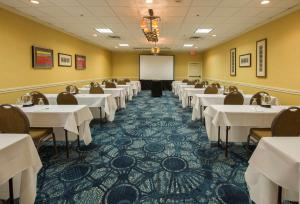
(245, 60)
(42, 58)
(64, 60)
(261, 58)
(233, 62)
(80, 62)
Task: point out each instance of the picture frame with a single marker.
(261, 58)
(80, 62)
(233, 62)
(42, 58)
(245, 60)
(64, 60)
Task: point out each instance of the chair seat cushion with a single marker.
(261, 132)
(37, 133)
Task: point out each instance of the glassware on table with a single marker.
(254, 102)
(41, 101)
(265, 100)
(26, 100)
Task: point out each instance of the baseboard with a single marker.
(257, 86)
(42, 86)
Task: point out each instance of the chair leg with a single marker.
(67, 143)
(54, 142)
(11, 191)
(78, 139)
(219, 136)
(100, 114)
(226, 144)
(279, 200)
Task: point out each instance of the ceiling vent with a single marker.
(195, 38)
(114, 37)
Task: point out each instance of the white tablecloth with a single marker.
(18, 156)
(176, 86)
(115, 92)
(68, 117)
(191, 92)
(136, 86)
(129, 90)
(216, 99)
(93, 101)
(180, 88)
(240, 118)
(275, 161)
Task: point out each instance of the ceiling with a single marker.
(179, 19)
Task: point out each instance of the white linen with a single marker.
(216, 99)
(115, 92)
(240, 118)
(18, 155)
(129, 90)
(176, 87)
(68, 117)
(93, 101)
(137, 85)
(274, 162)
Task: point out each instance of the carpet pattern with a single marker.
(152, 154)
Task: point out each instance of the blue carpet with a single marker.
(152, 154)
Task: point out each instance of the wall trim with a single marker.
(42, 86)
(257, 86)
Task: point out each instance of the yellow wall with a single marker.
(283, 69)
(126, 64)
(18, 34)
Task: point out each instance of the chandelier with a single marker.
(149, 26)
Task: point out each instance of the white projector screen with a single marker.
(156, 67)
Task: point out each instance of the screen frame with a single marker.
(157, 55)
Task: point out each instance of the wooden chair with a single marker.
(190, 83)
(199, 86)
(69, 88)
(185, 81)
(216, 85)
(110, 85)
(122, 82)
(233, 89)
(94, 83)
(36, 96)
(205, 83)
(257, 96)
(127, 80)
(104, 82)
(65, 98)
(96, 90)
(211, 90)
(234, 98)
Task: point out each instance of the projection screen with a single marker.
(156, 67)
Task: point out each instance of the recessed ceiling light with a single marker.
(123, 45)
(149, 1)
(95, 35)
(214, 35)
(264, 2)
(104, 30)
(203, 30)
(34, 2)
(188, 45)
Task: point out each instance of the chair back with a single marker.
(114, 80)
(110, 85)
(36, 96)
(13, 120)
(127, 80)
(233, 89)
(190, 82)
(199, 86)
(216, 85)
(257, 96)
(94, 83)
(104, 82)
(234, 98)
(65, 98)
(205, 82)
(70, 87)
(211, 90)
(96, 90)
(122, 82)
(286, 123)
(185, 81)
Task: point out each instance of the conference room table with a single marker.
(200, 101)
(175, 87)
(118, 93)
(94, 102)
(20, 164)
(136, 86)
(235, 121)
(74, 119)
(275, 162)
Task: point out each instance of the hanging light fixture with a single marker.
(150, 26)
(155, 50)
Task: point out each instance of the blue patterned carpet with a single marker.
(152, 154)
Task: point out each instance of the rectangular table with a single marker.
(118, 93)
(18, 156)
(105, 101)
(201, 100)
(239, 118)
(72, 118)
(176, 87)
(136, 86)
(180, 89)
(275, 162)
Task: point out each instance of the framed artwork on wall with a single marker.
(245, 60)
(233, 62)
(64, 60)
(261, 58)
(42, 58)
(80, 62)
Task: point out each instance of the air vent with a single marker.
(195, 38)
(114, 37)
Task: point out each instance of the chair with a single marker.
(233, 89)
(234, 98)
(36, 96)
(122, 82)
(257, 96)
(66, 98)
(94, 83)
(127, 80)
(104, 82)
(216, 85)
(199, 86)
(96, 90)
(205, 82)
(110, 85)
(69, 88)
(185, 81)
(114, 80)
(211, 90)
(190, 83)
